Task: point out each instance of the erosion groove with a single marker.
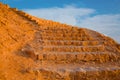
(37, 49)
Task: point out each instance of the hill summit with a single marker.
(36, 49)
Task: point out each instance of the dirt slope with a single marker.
(38, 49)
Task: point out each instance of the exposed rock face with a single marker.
(38, 49)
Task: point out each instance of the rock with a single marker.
(53, 51)
(30, 52)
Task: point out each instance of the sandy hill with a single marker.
(36, 49)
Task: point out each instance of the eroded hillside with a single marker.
(36, 49)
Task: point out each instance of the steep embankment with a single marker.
(38, 49)
(15, 32)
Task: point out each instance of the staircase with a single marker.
(41, 49)
(74, 54)
(71, 53)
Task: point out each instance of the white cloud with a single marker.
(66, 15)
(108, 24)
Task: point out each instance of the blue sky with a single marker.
(103, 6)
(99, 15)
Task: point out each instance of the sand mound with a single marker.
(38, 49)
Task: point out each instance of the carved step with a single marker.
(78, 72)
(68, 29)
(73, 48)
(76, 57)
(68, 43)
(64, 33)
(66, 38)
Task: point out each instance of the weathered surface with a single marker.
(38, 49)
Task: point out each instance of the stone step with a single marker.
(70, 40)
(53, 37)
(64, 34)
(77, 57)
(73, 48)
(68, 43)
(78, 72)
(60, 30)
(53, 27)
